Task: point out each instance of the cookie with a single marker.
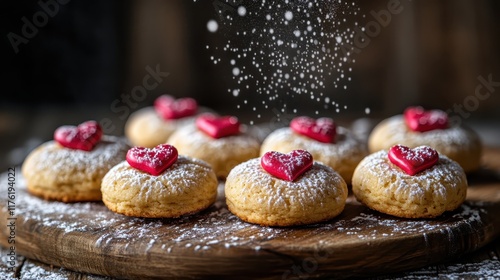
(222, 146)
(153, 125)
(184, 187)
(342, 153)
(55, 172)
(256, 196)
(458, 143)
(390, 188)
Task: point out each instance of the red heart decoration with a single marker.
(170, 108)
(83, 137)
(417, 119)
(414, 160)
(218, 127)
(322, 129)
(287, 166)
(153, 161)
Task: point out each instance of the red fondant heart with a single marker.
(412, 161)
(153, 161)
(322, 129)
(170, 109)
(287, 166)
(218, 127)
(417, 119)
(84, 137)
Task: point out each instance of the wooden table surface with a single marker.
(21, 131)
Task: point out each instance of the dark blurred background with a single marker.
(68, 61)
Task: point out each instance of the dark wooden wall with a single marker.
(431, 53)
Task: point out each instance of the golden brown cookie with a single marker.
(255, 196)
(384, 187)
(54, 172)
(222, 154)
(457, 143)
(186, 187)
(146, 128)
(343, 155)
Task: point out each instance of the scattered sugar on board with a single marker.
(374, 225)
(216, 226)
(485, 269)
(31, 270)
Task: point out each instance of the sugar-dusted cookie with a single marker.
(153, 125)
(334, 146)
(418, 127)
(159, 183)
(285, 190)
(410, 183)
(217, 140)
(71, 167)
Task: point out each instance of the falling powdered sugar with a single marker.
(286, 51)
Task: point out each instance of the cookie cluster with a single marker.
(176, 154)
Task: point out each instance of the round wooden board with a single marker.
(87, 237)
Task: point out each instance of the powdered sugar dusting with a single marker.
(346, 144)
(153, 156)
(182, 171)
(50, 158)
(191, 136)
(453, 136)
(32, 271)
(314, 186)
(217, 229)
(419, 154)
(289, 165)
(370, 225)
(153, 161)
(445, 176)
(434, 116)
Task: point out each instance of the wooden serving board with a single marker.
(87, 237)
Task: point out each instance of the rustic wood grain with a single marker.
(88, 238)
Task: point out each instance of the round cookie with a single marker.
(222, 154)
(187, 186)
(384, 187)
(146, 128)
(343, 155)
(458, 143)
(153, 125)
(54, 172)
(255, 196)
